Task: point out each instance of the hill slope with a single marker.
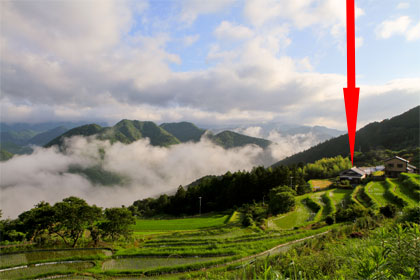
(45, 137)
(184, 131)
(229, 139)
(398, 133)
(125, 131)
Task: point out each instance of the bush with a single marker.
(247, 220)
(350, 213)
(329, 220)
(411, 215)
(281, 202)
(389, 210)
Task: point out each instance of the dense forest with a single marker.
(399, 134)
(230, 190)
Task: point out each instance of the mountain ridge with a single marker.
(397, 133)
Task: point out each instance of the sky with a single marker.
(209, 62)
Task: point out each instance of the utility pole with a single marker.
(291, 178)
(200, 205)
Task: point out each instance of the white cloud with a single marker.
(358, 42)
(191, 9)
(229, 31)
(403, 6)
(302, 13)
(399, 26)
(191, 39)
(150, 171)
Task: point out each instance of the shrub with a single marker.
(411, 215)
(389, 210)
(281, 202)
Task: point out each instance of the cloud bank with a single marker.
(44, 175)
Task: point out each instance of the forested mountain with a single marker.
(184, 131)
(127, 131)
(45, 137)
(398, 133)
(229, 139)
(17, 138)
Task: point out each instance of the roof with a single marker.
(355, 170)
(396, 157)
(411, 166)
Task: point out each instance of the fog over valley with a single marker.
(145, 170)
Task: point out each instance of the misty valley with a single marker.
(209, 139)
(174, 201)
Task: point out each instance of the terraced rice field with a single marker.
(9, 260)
(405, 193)
(301, 215)
(340, 196)
(146, 227)
(49, 268)
(148, 263)
(318, 184)
(377, 191)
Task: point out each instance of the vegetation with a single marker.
(397, 134)
(184, 131)
(230, 139)
(257, 224)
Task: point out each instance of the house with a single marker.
(394, 166)
(354, 175)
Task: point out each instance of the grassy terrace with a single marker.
(151, 226)
(340, 196)
(377, 191)
(405, 193)
(302, 214)
(173, 248)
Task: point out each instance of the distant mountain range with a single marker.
(127, 131)
(398, 133)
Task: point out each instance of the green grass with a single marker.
(340, 196)
(299, 216)
(405, 193)
(147, 263)
(377, 191)
(160, 226)
(50, 269)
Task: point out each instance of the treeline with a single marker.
(231, 190)
(67, 221)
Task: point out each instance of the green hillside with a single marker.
(398, 133)
(184, 131)
(84, 130)
(5, 155)
(229, 139)
(45, 137)
(125, 131)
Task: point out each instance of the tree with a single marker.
(72, 217)
(38, 220)
(118, 221)
(281, 202)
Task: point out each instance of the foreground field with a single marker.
(153, 226)
(209, 247)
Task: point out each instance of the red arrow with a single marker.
(351, 93)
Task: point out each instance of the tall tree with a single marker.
(72, 217)
(118, 221)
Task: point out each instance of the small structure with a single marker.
(396, 165)
(354, 175)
